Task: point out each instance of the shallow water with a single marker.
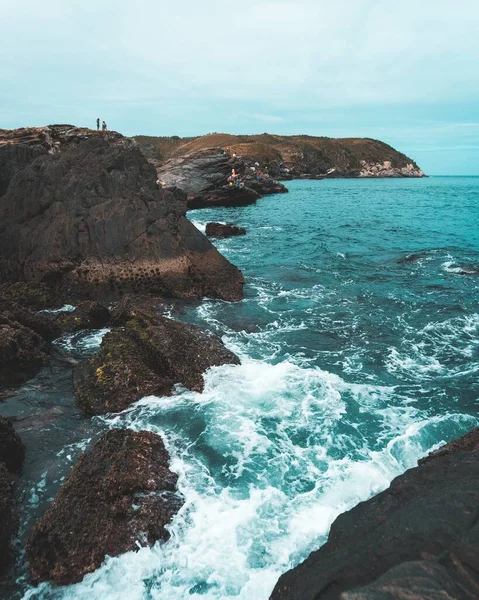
(359, 340)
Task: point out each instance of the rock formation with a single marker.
(418, 539)
(12, 455)
(148, 354)
(223, 230)
(79, 210)
(120, 495)
(290, 157)
(203, 175)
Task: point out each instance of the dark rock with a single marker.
(223, 230)
(224, 196)
(8, 522)
(44, 325)
(34, 295)
(149, 354)
(418, 539)
(22, 352)
(79, 211)
(119, 493)
(203, 177)
(12, 449)
(87, 315)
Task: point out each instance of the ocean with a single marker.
(359, 342)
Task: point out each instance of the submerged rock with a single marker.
(148, 354)
(79, 211)
(418, 539)
(119, 496)
(223, 230)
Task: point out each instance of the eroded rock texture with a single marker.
(417, 540)
(120, 493)
(202, 175)
(223, 230)
(79, 210)
(146, 354)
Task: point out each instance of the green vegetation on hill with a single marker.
(301, 154)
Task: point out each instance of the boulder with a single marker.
(146, 354)
(12, 449)
(223, 230)
(33, 295)
(44, 325)
(418, 539)
(87, 315)
(80, 212)
(119, 496)
(22, 352)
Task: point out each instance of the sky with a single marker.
(405, 72)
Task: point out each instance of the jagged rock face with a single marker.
(223, 230)
(385, 169)
(146, 354)
(121, 491)
(418, 539)
(79, 209)
(203, 177)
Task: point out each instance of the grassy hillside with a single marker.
(299, 153)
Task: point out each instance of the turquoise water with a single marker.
(359, 340)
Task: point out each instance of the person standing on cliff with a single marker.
(103, 126)
(98, 124)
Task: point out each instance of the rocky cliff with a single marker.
(203, 176)
(79, 209)
(417, 540)
(289, 157)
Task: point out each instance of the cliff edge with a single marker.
(80, 210)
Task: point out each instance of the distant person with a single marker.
(98, 124)
(103, 126)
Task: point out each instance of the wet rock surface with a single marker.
(223, 230)
(119, 495)
(87, 315)
(146, 354)
(418, 539)
(79, 211)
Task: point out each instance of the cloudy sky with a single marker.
(405, 72)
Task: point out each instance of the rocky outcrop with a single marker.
(418, 539)
(12, 455)
(147, 354)
(385, 169)
(119, 496)
(223, 230)
(12, 449)
(79, 211)
(203, 176)
(22, 352)
(290, 157)
(87, 315)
